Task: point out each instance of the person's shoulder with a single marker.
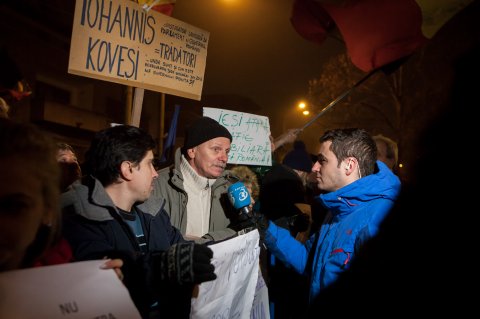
(226, 179)
(229, 176)
(386, 181)
(77, 190)
(164, 173)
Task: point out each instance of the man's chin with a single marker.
(216, 173)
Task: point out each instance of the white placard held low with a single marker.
(77, 290)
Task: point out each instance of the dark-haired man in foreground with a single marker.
(102, 218)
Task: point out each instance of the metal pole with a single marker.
(128, 104)
(338, 99)
(162, 124)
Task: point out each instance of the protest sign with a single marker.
(118, 41)
(261, 305)
(232, 294)
(79, 290)
(251, 143)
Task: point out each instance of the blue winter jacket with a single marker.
(355, 214)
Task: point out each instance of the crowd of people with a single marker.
(153, 226)
(329, 223)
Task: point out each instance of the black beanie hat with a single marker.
(298, 158)
(202, 130)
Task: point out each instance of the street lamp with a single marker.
(302, 106)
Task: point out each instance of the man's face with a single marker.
(22, 210)
(382, 154)
(143, 175)
(209, 159)
(329, 176)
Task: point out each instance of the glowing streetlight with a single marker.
(302, 106)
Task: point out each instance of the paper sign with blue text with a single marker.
(118, 41)
(251, 143)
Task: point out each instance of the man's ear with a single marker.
(191, 152)
(349, 165)
(126, 170)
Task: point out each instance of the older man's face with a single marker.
(209, 159)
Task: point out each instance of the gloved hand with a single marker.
(187, 262)
(261, 223)
(299, 223)
(244, 222)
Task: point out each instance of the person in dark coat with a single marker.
(102, 219)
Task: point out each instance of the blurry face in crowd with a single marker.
(22, 210)
(329, 176)
(209, 159)
(66, 156)
(382, 154)
(303, 176)
(143, 175)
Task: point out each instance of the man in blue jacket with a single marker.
(102, 219)
(358, 192)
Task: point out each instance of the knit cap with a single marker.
(298, 158)
(202, 130)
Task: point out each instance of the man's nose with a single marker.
(223, 156)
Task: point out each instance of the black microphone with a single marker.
(240, 197)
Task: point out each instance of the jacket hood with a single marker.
(382, 184)
(89, 199)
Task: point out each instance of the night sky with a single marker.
(255, 52)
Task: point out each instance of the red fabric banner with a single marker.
(376, 32)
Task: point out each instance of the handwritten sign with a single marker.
(118, 41)
(232, 294)
(251, 144)
(77, 290)
(261, 305)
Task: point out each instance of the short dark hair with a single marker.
(353, 142)
(112, 146)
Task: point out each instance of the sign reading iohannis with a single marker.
(118, 41)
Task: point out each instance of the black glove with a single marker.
(299, 223)
(187, 262)
(244, 222)
(261, 223)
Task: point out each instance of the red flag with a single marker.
(311, 20)
(376, 32)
